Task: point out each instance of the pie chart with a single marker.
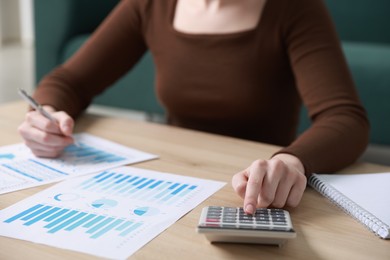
(66, 197)
(104, 203)
(146, 211)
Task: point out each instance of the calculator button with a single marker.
(232, 210)
(279, 223)
(263, 222)
(229, 220)
(212, 219)
(262, 217)
(241, 211)
(214, 214)
(278, 220)
(215, 210)
(246, 221)
(281, 220)
(246, 217)
(230, 214)
(211, 225)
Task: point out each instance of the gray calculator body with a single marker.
(232, 225)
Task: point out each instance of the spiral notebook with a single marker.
(365, 197)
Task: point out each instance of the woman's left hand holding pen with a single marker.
(45, 137)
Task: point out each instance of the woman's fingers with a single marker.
(65, 123)
(239, 182)
(47, 138)
(272, 182)
(255, 175)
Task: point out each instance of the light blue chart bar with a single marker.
(137, 187)
(85, 153)
(56, 219)
(42, 216)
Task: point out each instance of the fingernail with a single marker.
(66, 129)
(249, 209)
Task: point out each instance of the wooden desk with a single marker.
(323, 230)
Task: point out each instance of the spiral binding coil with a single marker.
(351, 208)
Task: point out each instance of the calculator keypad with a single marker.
(230, 217)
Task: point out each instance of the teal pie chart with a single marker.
(104, 203)
(66, 197)
(146, 211)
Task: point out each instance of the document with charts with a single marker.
(20, 169)
(109, 214)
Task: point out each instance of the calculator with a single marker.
(233, 225)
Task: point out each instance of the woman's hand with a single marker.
(277, 182)
(46, 138)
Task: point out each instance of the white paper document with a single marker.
(109, 214)
(20, 169)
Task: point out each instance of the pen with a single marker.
(39, 108)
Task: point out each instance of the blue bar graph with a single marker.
(80, 222)
(23, 213)
(83, 153)
(42, 216)
(124, 225)
(37, 212)
(130, 229)
(93, 221)
(107, 228)
(55, 219)
(67, 222)
(56, 215)
(99, 225)
(61, 219)
(137, 187)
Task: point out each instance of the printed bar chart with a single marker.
(21, 169)
(82, 153)
(56, 219)
(110, 214)
(137, 187)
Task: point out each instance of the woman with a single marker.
(238, 68)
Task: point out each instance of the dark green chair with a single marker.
(363, 27)
(62, 26)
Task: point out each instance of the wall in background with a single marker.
(26, 22)
(16, 22)
(9, 21)
(16, 48)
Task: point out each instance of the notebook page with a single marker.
(369, 191)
